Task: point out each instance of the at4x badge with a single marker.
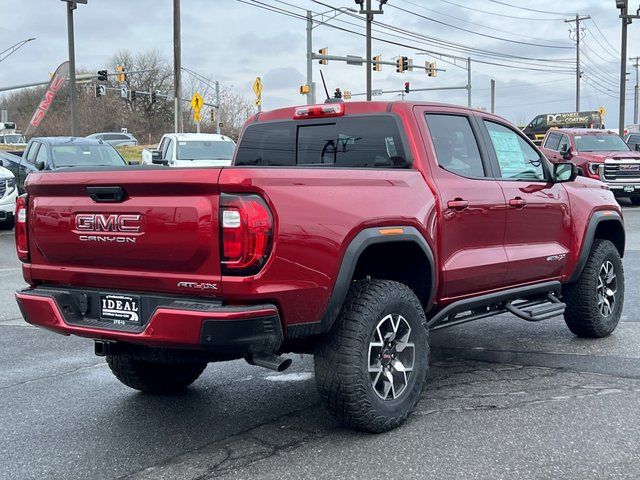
(198, 285)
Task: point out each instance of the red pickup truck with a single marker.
(598, 154)
(345, 230)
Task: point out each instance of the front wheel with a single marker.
(595, 300)
(371, 369)
(154, 376)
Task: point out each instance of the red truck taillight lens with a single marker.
(246, 233)
(22, 240)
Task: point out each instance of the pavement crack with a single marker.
(53, 375)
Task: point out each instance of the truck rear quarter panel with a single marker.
(303, 267)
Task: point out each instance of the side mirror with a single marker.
(564, 172)
(637, 147)
(156, 158)
(566, 152)
(39, 165)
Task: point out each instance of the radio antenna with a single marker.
(324, 84)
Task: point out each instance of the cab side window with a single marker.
(564, 143)
(553, 140)
(455, 144)
(166, 153)
(516, 158)
(43, 155)
(33, 151)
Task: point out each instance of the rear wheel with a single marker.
(154, 376)
(594, 302)
(372, 368)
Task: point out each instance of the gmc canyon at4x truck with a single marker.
(349, 231)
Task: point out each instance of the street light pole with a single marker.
(177, 94)
(623, 68)
(369, 20)
(635, 91)
(71, 6)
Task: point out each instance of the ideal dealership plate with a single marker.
(120, 309)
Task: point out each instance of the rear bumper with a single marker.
(169, 322)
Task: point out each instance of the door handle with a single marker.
(458, 204)
(517, 202)
(114, 194)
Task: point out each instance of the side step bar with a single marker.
(531, 303)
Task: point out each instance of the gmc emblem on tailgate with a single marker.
(112, 227)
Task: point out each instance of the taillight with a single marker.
(246, 233)
(22, 240)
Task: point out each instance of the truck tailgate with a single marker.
(161, 236)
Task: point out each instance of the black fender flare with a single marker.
(365, 238)
(596, 219)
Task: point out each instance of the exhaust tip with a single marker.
(286, 363)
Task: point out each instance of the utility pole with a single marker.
(312, 91)
(369, 20)
(177, 93)
(577, 21)
(217, 107)
(493, 95)
(635, 91)
(71, 6)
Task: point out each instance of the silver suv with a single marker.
(115, 138)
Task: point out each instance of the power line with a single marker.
(479, 24)
(595, 24)
(494, 37)
(530, 9)
(529, 19)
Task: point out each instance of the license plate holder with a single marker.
(120, 309)
(629, 189)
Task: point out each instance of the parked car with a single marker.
(52, 153)
(347, 231)
(598, 154)
(116, 139)
(633, 140)
(8, 195)
(538, 127)
(191, 150)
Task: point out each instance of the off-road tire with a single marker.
(635, 201)
(583, 316)
(154, 376)
(342, 361)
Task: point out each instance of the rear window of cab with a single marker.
(341, 142)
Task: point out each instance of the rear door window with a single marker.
(455, 144)
(356, 142)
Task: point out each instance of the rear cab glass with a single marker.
(367, 141)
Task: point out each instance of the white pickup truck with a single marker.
(191, 150)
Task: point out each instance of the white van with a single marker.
(191, 150)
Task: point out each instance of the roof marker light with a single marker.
(318, 111)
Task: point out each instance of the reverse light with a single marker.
(246, 233)
(318, 111)
(22, 240)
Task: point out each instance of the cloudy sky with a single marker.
(234, 42)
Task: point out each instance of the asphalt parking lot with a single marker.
(505, 399)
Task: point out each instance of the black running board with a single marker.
(531, 302)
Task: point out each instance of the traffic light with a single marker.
(347, 95)
(100, 90)
(431, 69)
(337, 93)
(407, 64)
(406, 87)
(377, 66)
(154, 96)
(121, 77)
(102, 75)
(402, 64)
(304, 89)
(132, 95)
(323, 51)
